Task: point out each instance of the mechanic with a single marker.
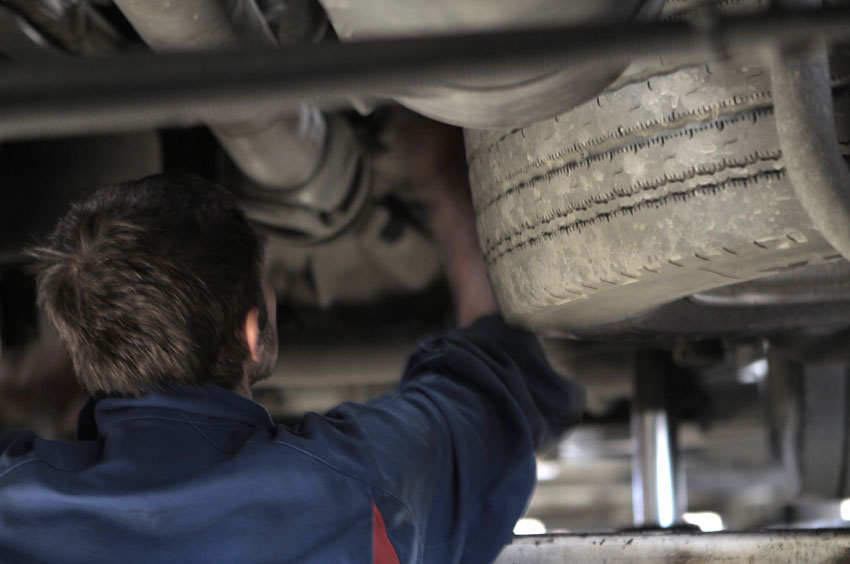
(156, 289)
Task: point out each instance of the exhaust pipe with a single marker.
(278, 152)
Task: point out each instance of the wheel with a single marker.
(669, 183)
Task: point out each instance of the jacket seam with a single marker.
(348, 475)
(222, 421)
(40, 461)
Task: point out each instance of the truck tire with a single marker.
(669, 183)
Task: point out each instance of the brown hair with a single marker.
(148, 284)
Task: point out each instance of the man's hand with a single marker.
(436, 161)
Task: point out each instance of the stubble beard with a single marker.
(268, 355)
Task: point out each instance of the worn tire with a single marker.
(669, 183)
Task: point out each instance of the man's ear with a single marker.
(251, 333)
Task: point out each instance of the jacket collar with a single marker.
(207, 401)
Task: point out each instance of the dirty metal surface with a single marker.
(774, 547)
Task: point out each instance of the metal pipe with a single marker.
(275, 150)
(655, 491)
(654, 495)
(179, 89)
(72, 27)
(169, 25)
(805, 122)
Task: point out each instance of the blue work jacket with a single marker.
(438, 471)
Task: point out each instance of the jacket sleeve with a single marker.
(453, 449)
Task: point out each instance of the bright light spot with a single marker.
(845, 509)
(753, 372)
(547, 470)
(664, 472)
(527, 526)
(707, 521)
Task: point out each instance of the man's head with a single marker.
(157, 282)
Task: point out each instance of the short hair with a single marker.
(148, 284)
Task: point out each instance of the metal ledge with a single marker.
(774, 547)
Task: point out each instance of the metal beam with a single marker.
(143, 90)
(768, 547)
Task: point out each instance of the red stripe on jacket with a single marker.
(381, 546)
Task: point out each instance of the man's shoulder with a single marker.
(15, 444)
(21, 448)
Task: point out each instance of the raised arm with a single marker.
(450, 455)
(436, 162)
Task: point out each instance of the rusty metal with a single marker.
(773, 547)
